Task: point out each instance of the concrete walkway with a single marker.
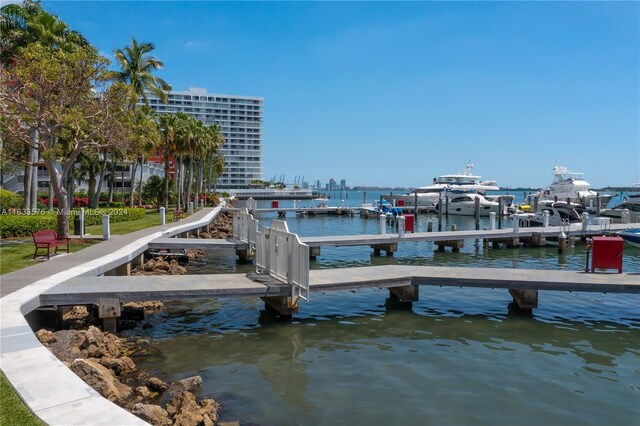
(52, 391)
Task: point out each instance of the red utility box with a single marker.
(274, 204)
(400, 203)
(409, 223)
(607, 253)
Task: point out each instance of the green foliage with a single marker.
(25, 225)
(154, 190)
(10, 200)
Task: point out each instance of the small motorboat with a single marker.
(632, 236)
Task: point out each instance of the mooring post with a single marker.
(383, 224)
(476, 206)
(526, 300)
(190, 207)
(429, 226)
(415, 211)
(545, 218)
(585, 222)
(440, 212)
(625, 216)
(563, 242)
(500, 211)
(446, 205)
(109, 311)
(401, 226)
(162, 216)
(492, 220)
(106, 227)
(406, 293)
(81, 222)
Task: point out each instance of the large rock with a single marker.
(46, 337)
(76, 313)
(153, 414)
(186, 411)
(99, 344)
(157, 385)
(120, 365)
(101, 379)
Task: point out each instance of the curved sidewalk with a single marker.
(52, 391)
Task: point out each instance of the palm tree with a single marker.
(28, 23)
(137, 65)
(168, 130)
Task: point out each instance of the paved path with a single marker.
(18, 279)
(52, 391)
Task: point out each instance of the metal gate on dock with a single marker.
(282, 255)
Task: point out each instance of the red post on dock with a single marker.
(274, 204)
(409, 224)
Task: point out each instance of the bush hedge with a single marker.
(10, 200)
(23, 225)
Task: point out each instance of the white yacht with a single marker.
(429, 196)
(629, 202)
(568, 185)
(560, 213)
(464, 204)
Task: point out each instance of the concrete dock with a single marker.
(83, 290)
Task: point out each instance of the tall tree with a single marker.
(64, 97)
(136, 68)
(22, 25)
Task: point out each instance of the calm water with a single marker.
(458, 356)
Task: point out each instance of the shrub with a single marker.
(20, 225)
(25, 225)
(10, 200)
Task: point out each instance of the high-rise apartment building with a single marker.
(240, 119)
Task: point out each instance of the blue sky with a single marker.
(388, 93)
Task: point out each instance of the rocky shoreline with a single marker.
(103, 360)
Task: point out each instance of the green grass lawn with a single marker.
(19, 255)
(12, 410)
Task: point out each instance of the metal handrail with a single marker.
(282, 255)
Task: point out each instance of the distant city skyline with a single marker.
(394, 94)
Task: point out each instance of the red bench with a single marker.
(48, 239)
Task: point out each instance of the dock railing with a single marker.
(245, 228)
(282, 255)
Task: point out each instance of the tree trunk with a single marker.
(199, 181)
(34, 182)
(122, 185)
(166, 181)
(56, 180)
(132, 169)
(69, 191)
(140, 182)
(50, 197)
(180, 181)
(112, 182)
(190, 181)
(210, 174)
(26, 204)
(95, 201)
